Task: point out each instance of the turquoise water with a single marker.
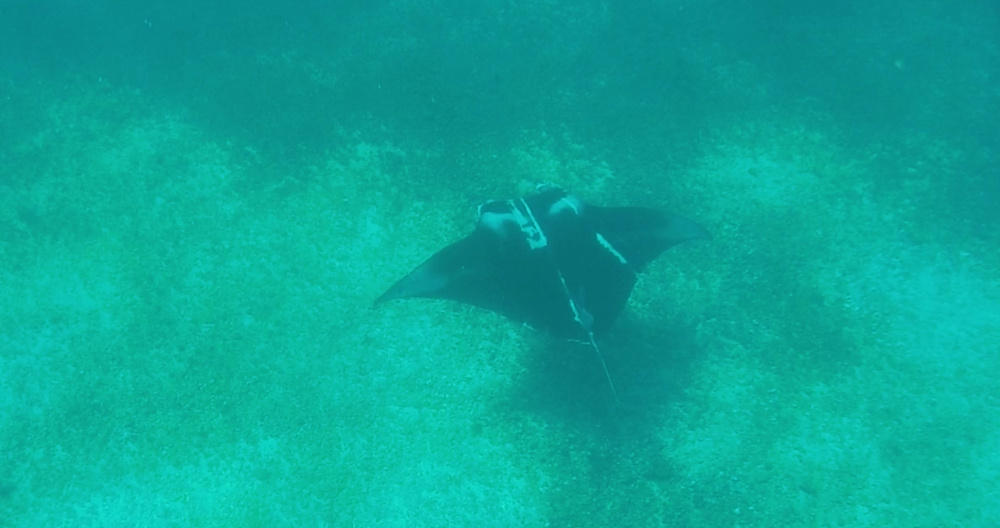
(198, 206)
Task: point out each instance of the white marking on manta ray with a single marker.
(564, 203)
(611, 249)
(496, 222)
(529, 225)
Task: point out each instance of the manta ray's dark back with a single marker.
(549, 260)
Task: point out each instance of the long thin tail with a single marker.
(604, 365)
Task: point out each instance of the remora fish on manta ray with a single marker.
(551, 261)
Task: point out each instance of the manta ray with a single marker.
(551, 261)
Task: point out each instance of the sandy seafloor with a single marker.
(188, 338)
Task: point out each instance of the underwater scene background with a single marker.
(199, 203)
